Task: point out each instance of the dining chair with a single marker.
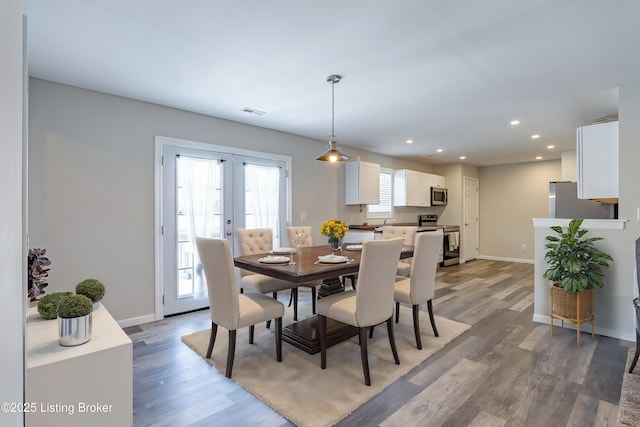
(370, 304)
(229, 308)
(419, 287)
(303, 232)
(256, 241)
(409, 234)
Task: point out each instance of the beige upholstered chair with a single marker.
(409, 234)
(228, 307)
(370, 304)
(307, 240)
(420, 286)
(257, 241)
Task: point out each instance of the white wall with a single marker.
(510, 196)
(614, 309)
(91, 184)
(12, 253)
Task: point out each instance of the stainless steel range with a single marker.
(451, 241)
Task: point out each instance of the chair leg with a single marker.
(364, 356)
(635, 357)
(231, 352)
(371, 328)
(279, 339)
(212, 339)
(290, 299)
(392, 341)
(294, 292)
(397, 312)
(432, 319)
(416, 325)
(275, 297)
(251, 331)
(314, 297)
(322, 332)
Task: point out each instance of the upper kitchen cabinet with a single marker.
(437, 181)
(411, 188)
(362, 180)
(597, 162)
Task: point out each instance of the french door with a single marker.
(210, 194)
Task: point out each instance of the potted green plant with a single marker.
(575, 268)
(92, 289)
(48, 304)
(74, 320)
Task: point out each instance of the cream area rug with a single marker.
(629, 406)
(312, 397)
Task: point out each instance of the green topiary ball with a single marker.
(74, 305)
(91, 288)
(48, 304)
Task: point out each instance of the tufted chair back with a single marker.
(304, 230)
(408, 232)
(254, 241)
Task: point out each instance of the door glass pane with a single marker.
(262, 198)
(199, 204)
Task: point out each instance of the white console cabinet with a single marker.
(86, 385)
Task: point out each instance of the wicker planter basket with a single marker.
(577, 308)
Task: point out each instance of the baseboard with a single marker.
(125, 323)
(585, 327)
(497, 258)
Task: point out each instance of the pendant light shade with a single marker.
(333, 154)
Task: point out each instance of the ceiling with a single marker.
(448, 75)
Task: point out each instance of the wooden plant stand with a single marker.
(577, 309)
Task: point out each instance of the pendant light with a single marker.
(333, 154)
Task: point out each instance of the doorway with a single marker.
(471, 221)
(210, 191)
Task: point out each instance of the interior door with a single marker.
(471, 218)
(197, 199)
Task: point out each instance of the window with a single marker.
(385, 208)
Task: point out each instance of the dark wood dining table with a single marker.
(306, 268)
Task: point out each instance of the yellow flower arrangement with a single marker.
(334, 228)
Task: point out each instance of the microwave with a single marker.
(438, 196)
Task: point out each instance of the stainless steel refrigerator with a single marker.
(564, 203)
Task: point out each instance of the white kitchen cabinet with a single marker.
(362, 180)
(597, 161)
(437, 181)
(411, 188)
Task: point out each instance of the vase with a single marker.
(74, 330)
(335, 244)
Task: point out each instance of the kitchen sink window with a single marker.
(385, 208)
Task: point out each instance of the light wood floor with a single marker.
(505, 371)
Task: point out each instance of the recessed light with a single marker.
(539, 158)
(409, 141)
(514, 122)
(551, 146)
(439, 150)
(536, 136)
(463, 157)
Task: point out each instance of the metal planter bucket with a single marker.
(75, 330)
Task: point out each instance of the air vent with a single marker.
(605, 119)
(253, 111)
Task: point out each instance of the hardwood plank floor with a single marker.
(505, 371)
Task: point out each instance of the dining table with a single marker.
(303, 267)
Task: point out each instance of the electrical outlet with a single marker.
(524, 246)
(304, 216)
